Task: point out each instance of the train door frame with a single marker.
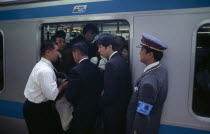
(94, 18)
(3, 66)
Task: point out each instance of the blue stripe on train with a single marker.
(167, 129)
(102, 7)
(14, 110)
(11, 109)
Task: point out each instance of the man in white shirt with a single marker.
(41, 89)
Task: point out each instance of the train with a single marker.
(184, 25)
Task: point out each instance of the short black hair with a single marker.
(47, 45)
(125, 47)
(59, 34)
(90, 27)
(122, 38)
(106, 40)
(121, 45)
(157, 54)
(82, 47)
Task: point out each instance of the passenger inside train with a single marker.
(201, 92)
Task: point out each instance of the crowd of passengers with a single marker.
(84, 87)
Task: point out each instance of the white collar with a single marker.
(151, 65)
(60, 55)
(112, 54)
(47, 62)
(83, 59)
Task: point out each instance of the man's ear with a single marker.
(74, 52)
(110, 47)
(77, 52)
(151, 54)
(47, 52)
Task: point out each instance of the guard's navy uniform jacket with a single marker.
(151, 88)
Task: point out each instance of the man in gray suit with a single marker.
(150, 91)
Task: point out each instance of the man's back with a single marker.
(116, 95)
(116, 80)
(83, 92)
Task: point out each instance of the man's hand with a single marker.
(63, 86)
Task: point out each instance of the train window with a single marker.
(116, 28)
(1, 63)
(201, 91)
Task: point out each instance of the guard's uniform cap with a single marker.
(152, 43)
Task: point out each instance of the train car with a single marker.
(184, 25)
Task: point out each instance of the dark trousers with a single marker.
(113, 123)
(40, 118)
(80, 127)
(79, 131)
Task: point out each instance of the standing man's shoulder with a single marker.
(83, 67)
(154, 78)
(161, 72)
(164, 69)
(42, 67)
(115, 58)
(149, 79)
(110, 65)
(93, 65)
(75, 69)
(90, 65)
(118, 61)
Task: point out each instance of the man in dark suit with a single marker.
(83, 91)
(60, 41)
(115, 97)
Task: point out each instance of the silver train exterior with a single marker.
(175, 22)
